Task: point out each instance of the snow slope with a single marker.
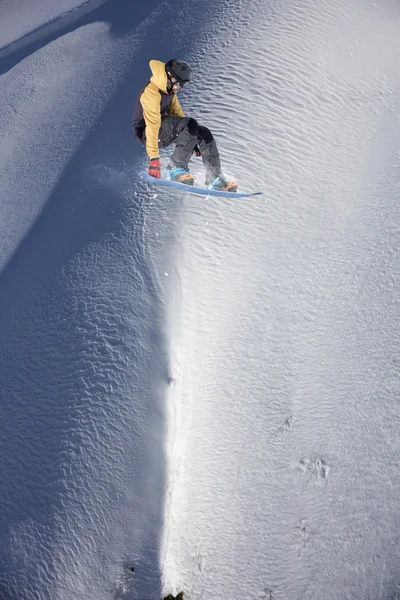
(24, 20)
(286, 404)
(206, 391)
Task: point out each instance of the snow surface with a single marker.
(23, 20)
(205, 391)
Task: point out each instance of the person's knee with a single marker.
(190, 124)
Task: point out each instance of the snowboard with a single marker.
(193, 189)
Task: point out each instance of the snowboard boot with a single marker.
(222, 185)
(181, 176)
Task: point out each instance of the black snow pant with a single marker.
(186, 133)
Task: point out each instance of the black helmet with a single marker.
(179, 69)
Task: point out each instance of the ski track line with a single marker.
(50, 27)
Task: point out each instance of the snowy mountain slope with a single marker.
(205, 391)
(83, 360)
(284, 469)
(24, 21)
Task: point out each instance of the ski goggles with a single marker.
(179, 83)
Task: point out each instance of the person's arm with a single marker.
(150, 101)
(175, 109)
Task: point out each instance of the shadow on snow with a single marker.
(121, 15)
(50, 396)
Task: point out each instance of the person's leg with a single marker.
(186, 131)
(212, 164)
(182, 131)
(209, 154)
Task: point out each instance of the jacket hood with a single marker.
(159, 75)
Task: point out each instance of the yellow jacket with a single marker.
(156, 103)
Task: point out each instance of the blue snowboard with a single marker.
(195, 190)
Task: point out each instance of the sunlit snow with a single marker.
(200, 395)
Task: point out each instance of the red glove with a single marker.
(155, 168)
(196, 151)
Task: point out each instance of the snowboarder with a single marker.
(158, 121)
